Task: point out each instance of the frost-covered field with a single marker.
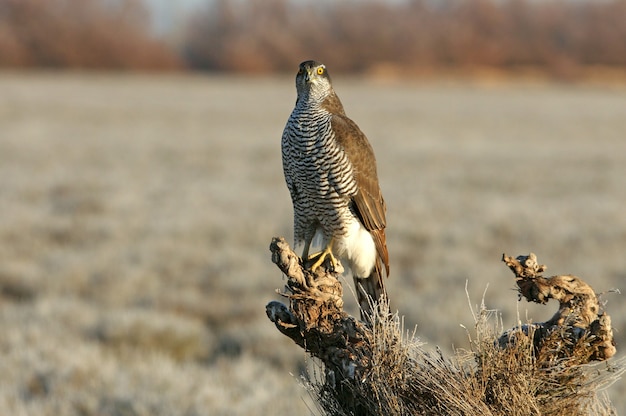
(136, 214)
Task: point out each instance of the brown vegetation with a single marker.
(373, 370)
(79, 34)
(560, 38)
(554, 36)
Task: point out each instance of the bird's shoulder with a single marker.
(332, 104)
(346, 131)
(354, 143)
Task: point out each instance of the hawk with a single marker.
(330, 170)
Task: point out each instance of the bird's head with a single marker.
(313, 81)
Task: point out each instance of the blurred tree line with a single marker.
(555, 36)
(98, 34)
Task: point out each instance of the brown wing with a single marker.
(368, 202)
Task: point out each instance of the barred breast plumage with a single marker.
(330, 170)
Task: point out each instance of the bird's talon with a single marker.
(320, 257)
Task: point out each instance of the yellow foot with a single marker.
(321, 256)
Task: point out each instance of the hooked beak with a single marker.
(308, 76)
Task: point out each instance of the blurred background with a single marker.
(141, 182)
(561, 38)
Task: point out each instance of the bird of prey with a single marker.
(330, 170)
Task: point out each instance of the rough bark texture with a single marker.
(315, 320)
(579, 329)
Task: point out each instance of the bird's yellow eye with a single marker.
(320, 70)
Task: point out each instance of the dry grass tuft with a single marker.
(405, 378)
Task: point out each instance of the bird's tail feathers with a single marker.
(372, 295)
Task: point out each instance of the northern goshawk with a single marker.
(330, 170)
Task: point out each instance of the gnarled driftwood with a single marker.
(375, 370)
(579, 330)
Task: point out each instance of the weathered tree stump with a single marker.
(374, 369)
